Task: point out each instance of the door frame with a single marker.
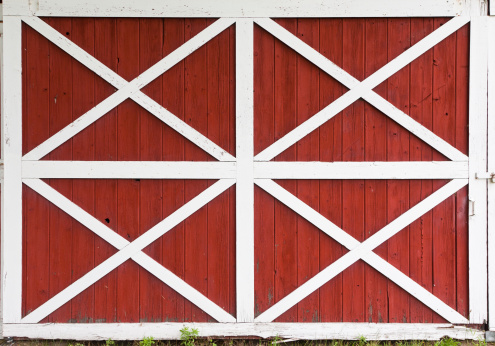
(246, 169)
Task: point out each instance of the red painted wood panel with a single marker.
(201, 91)
(377, 301)
(353, 52)
(129, 207)
(421, 231)
(361, 132)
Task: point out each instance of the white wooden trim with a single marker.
(119, 242)
(261, 170)
(126, 90)
(12, 187)
(245, 185)
(491, 167)
(371, 258)
(360, 250)
(361, 170)
(239, 8)
(128, 170)
(363, 89)
(128, 251)
(478, 159)
(291, 331)
(350, 82)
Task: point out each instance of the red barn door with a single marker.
(175, 171)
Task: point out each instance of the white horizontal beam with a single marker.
(227, 170)
(128, 170)
(305, 331)
(238, 8)
(361, 170)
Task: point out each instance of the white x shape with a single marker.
(362, 251)
(357, 89)
(362, 89)
(128, 89)
(129, 250)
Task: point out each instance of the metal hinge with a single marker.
(486, 175)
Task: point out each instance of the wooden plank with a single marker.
(119, 242)
(362, 89)
(83, 192)
(355, 254)
(245, 185)
(150, 149)
(398, 150)
(11, 217)
(105, 190)
(311, 331)
(130, 250)
(128, 191)
(421, 231)
(372, 97)
(375, 149)
(218, 52)
(331, 150)
(173, 150)
(264, 217)
(444, 243)
(285, 94)
(462, 143)
(308, 150)
(134, 169)
(372, 259)
(127, 90)
(237, 8)
(353, 286)
(196, 115)
(477, 154)
(60, 225)
(360, 170)
(491, 168)
(35, 130)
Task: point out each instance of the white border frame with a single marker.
(245, 169)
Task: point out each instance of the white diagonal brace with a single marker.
(339, 235)
(127, 251)
(361, 251)
(362, 89)
(119, 242)
(128, 89)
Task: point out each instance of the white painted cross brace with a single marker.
(128, 89)
(361, 251)
(362, 89)
(129, 250)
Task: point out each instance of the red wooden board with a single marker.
(201, 91)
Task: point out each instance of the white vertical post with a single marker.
(245, 173)
(491, 168)
(478, 104)
(12, 186)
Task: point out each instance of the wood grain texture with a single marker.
(287, 91)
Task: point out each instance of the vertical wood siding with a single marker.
(432, 90)
(201, 91)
